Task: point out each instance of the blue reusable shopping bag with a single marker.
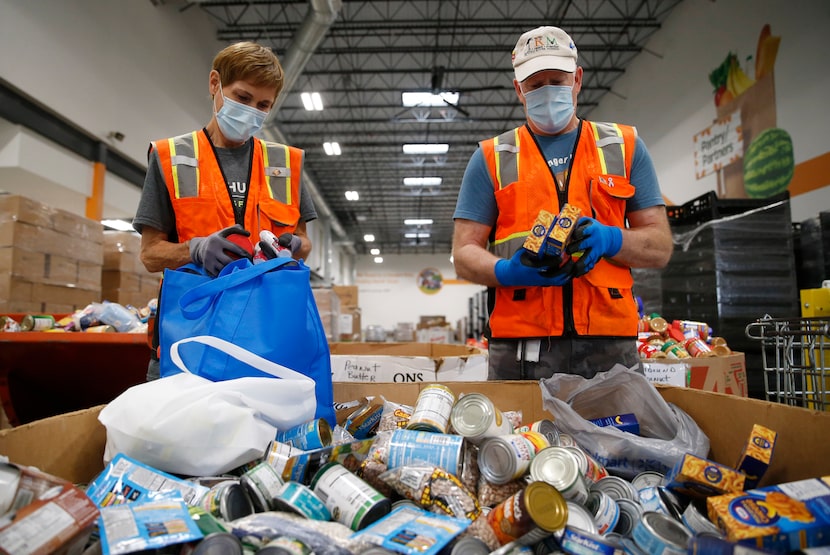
(266, 308)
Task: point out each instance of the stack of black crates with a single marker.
(812, 251)
(733, 262)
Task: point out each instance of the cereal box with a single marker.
(757, 454)
(698, 477)
(785, 517)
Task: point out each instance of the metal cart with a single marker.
(796, 358)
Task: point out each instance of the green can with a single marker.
(37, 322)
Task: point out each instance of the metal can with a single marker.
(9, 324)
(698, 348)
(652, 500)
(314, 434)
(277, 455)
(505, 458)
(350, 500)
(576, 540)
(605, 510)
(262, 483)
(617, 488)
(660, 534)
(207, 523)
(646, 479)
(630, 514)
(285, 545)
(538, 505)
(227, 500)
(558, 467)
(536, 439)
(295, 497)
(443, 450)
(673, 349)
(363, 422)
(580, 517)
(102, 328)
(566, 440)
(694, 520)
(217, 543)
(591, 470)
(546, 427)
(469, 545)
(432, 409)
(475, 417)
(37, 322)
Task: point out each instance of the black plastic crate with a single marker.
(708, 207)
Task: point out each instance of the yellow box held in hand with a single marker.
(698, 477)
(553, 232)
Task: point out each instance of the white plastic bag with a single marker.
(666, 431)
(185, 424)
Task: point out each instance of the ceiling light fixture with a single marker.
(416, 221)
(378, 260)
(312, 102)
(424, 181)
(374, 252)
(120, 225)
(369, 238)
(352, 195)
(416, 235)
(428, 148)
(414, 98)
(332, 149)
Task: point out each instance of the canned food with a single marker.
(580, 517)
(646, 479)
(314, 434)
(469, 545)
(9, 324)
(539, 505)
(576, 540)
(696, 329)
(661, 534)
(432, 410)
(673, 349)
(605, 510)
(650, 350)
(37, 322)
(363, 422)
(505, 458)
(558, 467)
(536, 439)
(278, 454)
(285, 545)
(350, 500)
(657, 323)
(630, 514)
(227, 500)
(295, 497)
(475, 417)
(698, 348)
(545, 427)
(102, 328)
(591, 470)
(617, 488)
(694, 520)
(217, 543)
(207, 523)
(262, 483)
(566, 440)
(443, 450)
(657, 499)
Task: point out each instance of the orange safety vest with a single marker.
(601, 302)
(200, 196)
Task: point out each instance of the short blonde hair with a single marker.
(252, 62)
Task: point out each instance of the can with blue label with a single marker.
(576, 540)
(605, 510)
(442, 450)
(661, 534)
(314, 434)
(295, 497)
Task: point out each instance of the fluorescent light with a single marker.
(378, 260)
(332, 149)
(413, 221)
(416, 235)
(412, 98)
(312, 102)
(352, 195)
(374, 252)
(425, 181)
(429, 148)
(368, 237)
(120, 225)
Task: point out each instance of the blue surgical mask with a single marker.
(551, 107)
(238, 122)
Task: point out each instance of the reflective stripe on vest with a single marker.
(506, 148)
(184, 156)
(277, 161)
(610, 148)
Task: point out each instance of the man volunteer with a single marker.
(564, 314)
(207, 185)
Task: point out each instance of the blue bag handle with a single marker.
(209, 290)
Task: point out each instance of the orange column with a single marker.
(95, 202)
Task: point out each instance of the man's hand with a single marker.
(594, 240)
(291, 242)
(521, 271)
(216, 251)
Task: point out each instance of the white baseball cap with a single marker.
(544, 48)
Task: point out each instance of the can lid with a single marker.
(324, 430)
(549, 429)
(219, 543)
(616, 487)
(234, 502)
(257, 498)
(496, 461)
(647, 478)
(469, 545)
(581, 458)
(579, 517)
(666, 529)
(471, 415)
(546, 506)
(556, 466)
(630, 514)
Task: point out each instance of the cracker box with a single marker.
(539, 231)
(756, 455)
(782, 518)
(698, 477)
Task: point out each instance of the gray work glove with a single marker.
(216, 251)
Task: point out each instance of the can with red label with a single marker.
(546, 427)
(650, 350)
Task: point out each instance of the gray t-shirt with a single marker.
(155, 209)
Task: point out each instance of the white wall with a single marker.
(668, 97)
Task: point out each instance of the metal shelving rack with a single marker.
(796, 360)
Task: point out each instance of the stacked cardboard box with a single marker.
(124, 279)
(328, 305)
(350, 329)
(50, 259)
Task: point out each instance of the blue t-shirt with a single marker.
(477, 200)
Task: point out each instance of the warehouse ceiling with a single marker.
(360, 56)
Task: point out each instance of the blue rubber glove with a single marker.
(519, 271)
(215, 251)
(595, 240)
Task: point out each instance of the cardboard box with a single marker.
(719, 374)
(442, 334)
(17, 208)
(347, 295)
(349, 325)
(406, 362)
(328, 305)
(71, 445)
